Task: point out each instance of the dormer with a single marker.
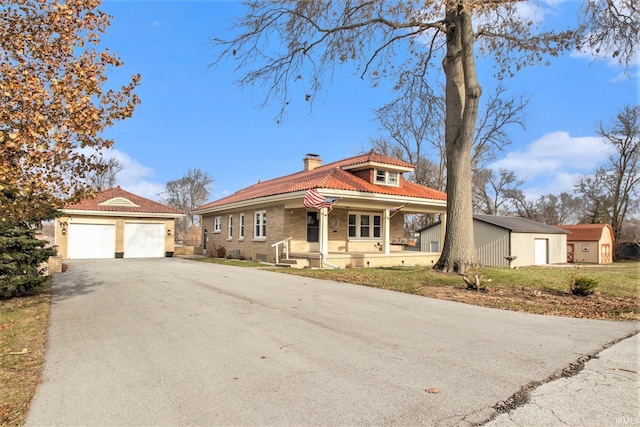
(379, 173)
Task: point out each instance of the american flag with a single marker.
(312, 199)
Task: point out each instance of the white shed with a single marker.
(507, 241)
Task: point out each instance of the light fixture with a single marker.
(168, 232)
(63, 227)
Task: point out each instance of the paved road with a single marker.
(605, 393)
(173, 342)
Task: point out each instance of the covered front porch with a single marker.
(354, 234)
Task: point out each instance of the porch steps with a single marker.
(288, 263)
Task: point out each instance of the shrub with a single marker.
(583, 286)
(219, 252)
(21, 256)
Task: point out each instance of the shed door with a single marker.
(541, 252)
(86, 241)
(570, 249)
(143, 240)
(605, 254)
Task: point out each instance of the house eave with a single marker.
(121, 213)
(345, 196)
(377, 165)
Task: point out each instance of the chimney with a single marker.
(311, 162)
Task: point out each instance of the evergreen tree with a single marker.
(21, 256)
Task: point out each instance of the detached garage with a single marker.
(508, 241)
(116, 224)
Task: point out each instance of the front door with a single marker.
(313, 231)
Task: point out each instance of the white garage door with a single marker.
(541, 252)
(143, 240)
(87, 241)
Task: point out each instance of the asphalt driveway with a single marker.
(177, 342)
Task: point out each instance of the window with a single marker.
(377, 225)
(392, 178)
(230, 228)
(260, 225)
(385, 177)
(352, 225)
(585, 248)
(241, 225)
(365, 226)
(433, 247)
(217, 224)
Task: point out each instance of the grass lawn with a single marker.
(541, 290)
(23, 328)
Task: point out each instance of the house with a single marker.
(508, 241)
(116, 224)
(345, 213)
(592, 243)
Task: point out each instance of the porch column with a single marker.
(443, 226)
(324, 232)
(387, 226)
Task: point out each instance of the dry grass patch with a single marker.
(23, 327)
(540, 290)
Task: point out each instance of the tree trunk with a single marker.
(462, 100)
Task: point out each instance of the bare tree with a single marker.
(500, 112)
(611, 28)
(549, 209)
(415, 128)
(105, 174)
(410, 121)
(492, 191)
(612, 191)
(186, 194)
(304, 41)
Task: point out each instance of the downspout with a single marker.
(323, 262)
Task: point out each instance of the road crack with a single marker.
(522, 396)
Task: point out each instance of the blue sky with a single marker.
(194, 116)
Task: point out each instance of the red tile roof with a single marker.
(332, 177)
(585, 232)
(143, 205)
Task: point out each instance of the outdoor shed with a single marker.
(508, 241)
(591, 243)
(116, 224)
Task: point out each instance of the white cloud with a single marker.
(529, 11)
(590, 54)
(552, 163)
(562, 182)
(134, 177)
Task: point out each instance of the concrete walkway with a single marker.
(178, 342)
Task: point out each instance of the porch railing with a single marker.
(276, 245)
